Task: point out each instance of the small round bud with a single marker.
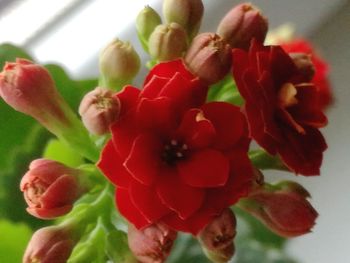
(152, 244)
(242, 24)
(119, 63)
(99, 109)
(209, 57)
(187, 13)
(304, 64)
(167, 42)
(146, 21)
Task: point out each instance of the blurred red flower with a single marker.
(174, 159)
(282, 110)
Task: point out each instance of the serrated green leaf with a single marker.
(58, 151)
(13, 241)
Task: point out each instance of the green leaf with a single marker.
(58, 151)
(13, 241)
(117, 247)
(9, 52)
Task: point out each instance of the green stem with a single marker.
(262, 160)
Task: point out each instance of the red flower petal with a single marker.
(147, 201)
(112, 167)
(183, 199)
(193, 224)
(205, 168)
(303, 153)
(157, 115)
(128, 98)
(197, 131)
(153, 87)
(228, 122)
(168, 70)
(144, 159)
(127, 208)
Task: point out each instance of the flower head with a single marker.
(50, 188)
(50, 244)
(283, 208)
(152, 244)
(174, 159)
(282, 110)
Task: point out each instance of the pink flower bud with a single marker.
(283, 208)
(187, 13)
(209, 57)
(304, 64)
(167, 42)
(151, 244)
(243, 23)
(29, 88)
(50, 188)
(99, 109)
(217, 237)
(50, 244)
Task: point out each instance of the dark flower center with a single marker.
(174, 151)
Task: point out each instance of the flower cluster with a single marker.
(177, 149)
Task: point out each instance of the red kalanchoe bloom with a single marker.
(321, 68)
(50, 188)
(282, 110)
(174, 160)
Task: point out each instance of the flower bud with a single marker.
(240, 25)
(167, 42)
(152, 244)
(217, 237)
(50, 244)
(304, 64)
(119, 63)
(29, 88)
(98, 110)
(283, 208)
(209, 57)
(187, 13)
(146, 22)
(50, 188)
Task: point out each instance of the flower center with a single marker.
(174, 151)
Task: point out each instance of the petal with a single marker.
(128, 98)
(205, 168)
(112, 166)
(303, 153)
(193, 224)
(228, 121)
(144, 159)
(158, 115)
(147, 201)
(153, 87)
(168, 70)
(183, 199)
(52, 213)
(127, 208)
(197, 131)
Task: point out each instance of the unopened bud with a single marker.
(304, 64)
(50, 244)
(209, 57)
(187, 13)
(119, 63)
(283, 208)
(243, 23)
(146, 21)
(30, 89)
(50, 188)
(152, 244)
(99, 109)
(167, 42)
(217, 237)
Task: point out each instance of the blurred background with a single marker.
(72, 32)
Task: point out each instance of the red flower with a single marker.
(321, 68)
(282, 110)
(174, 160)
